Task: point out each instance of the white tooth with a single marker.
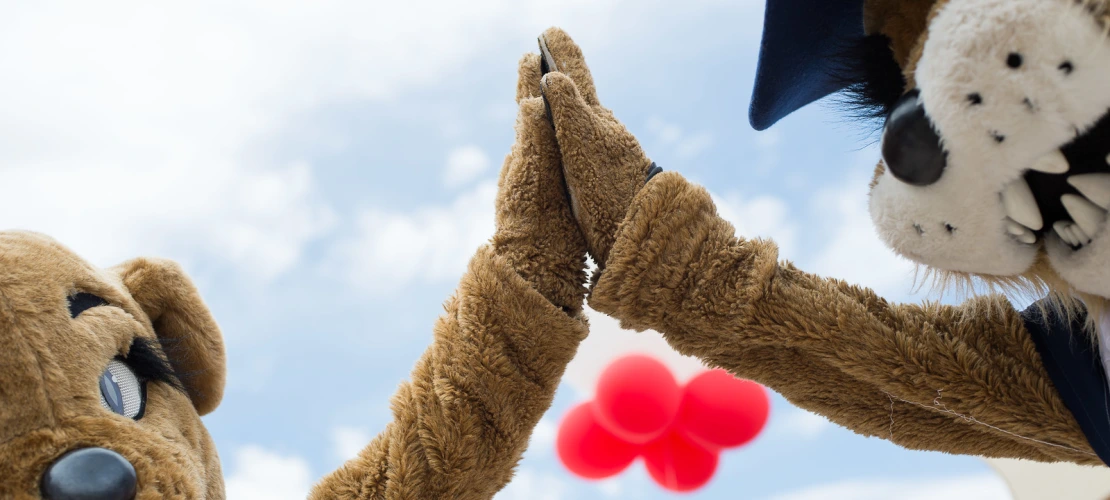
(1096, 187)
(1080, 234)
(1016, 229)
(1087, 215)
(1020, 205)
(1076, 234)
(1020, 232)
(1061, 228)
(1051, 163)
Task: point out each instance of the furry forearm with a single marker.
(465, 418)
(553, 268)
(961, 379)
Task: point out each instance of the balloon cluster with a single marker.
(641, 411)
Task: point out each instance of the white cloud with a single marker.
(608, 341)
(255, 219)
(611, 488)
(130, 130)
(686, 145)
(346, 442)
(264, 475)
(543, 438)
(981, 487)
(392, 249)
(854, 252)
(531, 484)
(801, 424)
(464, 164)
(768, 151)
(763, 216)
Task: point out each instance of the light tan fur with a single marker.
(906, 24)
(961, 379)
(464, 419)
(461, 423)
(49, 365)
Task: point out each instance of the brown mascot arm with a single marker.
(463, 421)
(961, 379)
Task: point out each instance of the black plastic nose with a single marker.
(90, 474)
(911, 148)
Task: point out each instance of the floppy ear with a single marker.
(184, 326)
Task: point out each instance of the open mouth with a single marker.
(1066, 191)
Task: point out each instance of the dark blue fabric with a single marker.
(795, 67)
(1075, 367)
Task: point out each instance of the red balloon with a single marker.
(722, 411)
(587, 449)
(678, 464)
(637, 398)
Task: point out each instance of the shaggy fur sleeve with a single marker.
(964, 379)
(463, 421)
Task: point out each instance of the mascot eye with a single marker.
(121, 391)
(82, 301)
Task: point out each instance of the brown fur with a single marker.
(599, 193)
(464, 419)
(50, 364)
(960, 379)
(460, 424)
(906, 24)
(926, 376)
(903, 21)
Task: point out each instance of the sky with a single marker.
(324, 170)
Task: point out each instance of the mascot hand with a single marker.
(603, 163)
(536, 231)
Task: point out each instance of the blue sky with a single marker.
(324, 170)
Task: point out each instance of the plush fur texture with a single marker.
(995, 122)
(903, 21)
(460, 424)
(464, 419)
(961, 379)
(50, 364)
(599, 193)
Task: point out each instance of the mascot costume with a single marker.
(104, 373)
(994, 167)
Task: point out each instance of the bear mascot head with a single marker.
(135, 340)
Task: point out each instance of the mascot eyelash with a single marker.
(871, 79)
(146, 359)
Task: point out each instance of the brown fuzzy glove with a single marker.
(603, 164)
(536, 231)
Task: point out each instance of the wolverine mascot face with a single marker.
(997, 136)
(105, 374)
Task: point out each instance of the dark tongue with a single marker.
(1085, 155)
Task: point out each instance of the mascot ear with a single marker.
(797, 63)
(184, 326)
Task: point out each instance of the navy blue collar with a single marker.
(1076, 370)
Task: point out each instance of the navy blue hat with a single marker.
(795, 63)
